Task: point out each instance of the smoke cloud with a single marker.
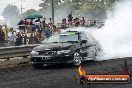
(116, 36)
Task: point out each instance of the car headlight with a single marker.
(34, 53)
(63, 51)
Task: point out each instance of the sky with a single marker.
(27, 4)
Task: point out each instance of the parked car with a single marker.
(67, 47)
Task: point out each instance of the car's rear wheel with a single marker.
(77, 59)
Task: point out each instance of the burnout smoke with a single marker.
(116, 36)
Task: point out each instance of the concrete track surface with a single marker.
(61, 76)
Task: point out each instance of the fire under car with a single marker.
(68, 47)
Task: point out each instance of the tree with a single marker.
(11, 14)
(29, 12)
(89, 8)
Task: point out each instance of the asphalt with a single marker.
(61, 76)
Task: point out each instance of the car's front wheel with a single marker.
(77, 59)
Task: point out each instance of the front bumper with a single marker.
(54, 59)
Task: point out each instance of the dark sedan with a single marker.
(67, 47)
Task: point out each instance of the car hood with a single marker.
(52, 46)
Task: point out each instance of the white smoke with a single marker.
(116, 36)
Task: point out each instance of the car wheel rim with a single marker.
(77, 59)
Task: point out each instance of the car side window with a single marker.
(88, 37)
(91, 39)
(84, 37)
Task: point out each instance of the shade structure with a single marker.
(33, 16)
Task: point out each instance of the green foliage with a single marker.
(10, 12)
(91, 8)
(30, 12)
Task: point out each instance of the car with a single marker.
(68, 47)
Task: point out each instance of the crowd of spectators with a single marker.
(79, 22)
(15, 38)
(41, 29)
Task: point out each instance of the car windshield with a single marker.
(63, 37)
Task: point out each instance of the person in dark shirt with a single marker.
(44, 23)
(31, 39)
(70, 17)
(2, 37)
(25, 39)
(26, 22)
(18, 39)
(38, 21)
(82, 22)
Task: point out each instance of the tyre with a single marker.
(77, 59)
(94, 57)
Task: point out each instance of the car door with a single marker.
(84, 46)
(92, 47)
(89, 48)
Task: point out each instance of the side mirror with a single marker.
(84, 41)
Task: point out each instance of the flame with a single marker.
(81, 71)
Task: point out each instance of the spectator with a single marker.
(82, 22)
(18, 39)
(70, 18)
(50, 23)
(2, 37)
(77, 22)
(37, 24)
(91, 24)
(39, 30)
(54, 30)
(31, 39)
(64, 24)
(11, 37)
(44, 23)
(25, 39)
(26, 22)
(47, 32)
(31, 22)
(38, 21)
(94, 23)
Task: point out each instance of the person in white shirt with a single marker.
(11, 37)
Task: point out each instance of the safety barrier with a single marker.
(15, 51)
